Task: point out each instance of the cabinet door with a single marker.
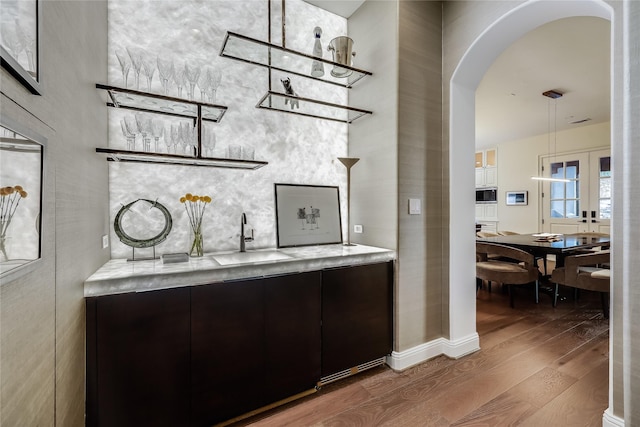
(491, 177)
(138, 363)
(491, 211)
(227, 361)
(292, 334)
(356, 315)
(480, 178)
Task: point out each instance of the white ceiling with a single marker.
(570, 55)
(344, 8)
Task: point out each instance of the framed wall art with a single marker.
(19, 41)
(307, 215)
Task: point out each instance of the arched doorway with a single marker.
(468, 74)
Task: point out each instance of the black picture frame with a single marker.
(307, 215)
(20, 42)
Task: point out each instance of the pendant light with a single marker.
(553, 96)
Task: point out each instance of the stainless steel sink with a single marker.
(250, 257)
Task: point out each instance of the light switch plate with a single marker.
(105, 241)
(357, 228)
(415, 206)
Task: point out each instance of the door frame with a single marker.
(464, 82)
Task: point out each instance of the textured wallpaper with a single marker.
(299, 150)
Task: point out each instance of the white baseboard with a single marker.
(610, 420)
(399, 361)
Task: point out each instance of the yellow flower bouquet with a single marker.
(195, 206)
(9, 200)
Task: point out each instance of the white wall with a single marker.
(519, 160)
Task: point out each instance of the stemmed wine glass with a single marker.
(132, 129)
(208, 141)
(148, 68)
(203, 84)
(131, 138)
(144, 127)
(191, 73)
(157, 130)
(179, 78)
(214, 76)
(125, 66)
(166, 70)
(135, 53)
(188, 134)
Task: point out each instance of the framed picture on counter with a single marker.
(307, 215)
(19, 42)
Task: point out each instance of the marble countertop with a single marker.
(122, 276)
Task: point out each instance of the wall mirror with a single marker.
(19, 41)
(21, 162)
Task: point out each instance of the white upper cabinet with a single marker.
(487, 168)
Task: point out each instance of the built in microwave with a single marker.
(487, 195)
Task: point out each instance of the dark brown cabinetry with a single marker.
(356, 315)
(254, 342)
(199, 355)
(138, 359)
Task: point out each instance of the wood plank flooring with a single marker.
(538, 366)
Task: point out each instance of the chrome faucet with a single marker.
(243, 238)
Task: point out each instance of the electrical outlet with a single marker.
(105, 241)
(357, 228)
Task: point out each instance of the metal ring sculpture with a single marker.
(142, 243)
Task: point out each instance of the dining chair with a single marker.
(507, 233)
(542, 257)
(584, 271)
(483, 234)
(514, 267)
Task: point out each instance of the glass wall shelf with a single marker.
(161, 104)
(253, 51)
(310, 107)
(163, 158)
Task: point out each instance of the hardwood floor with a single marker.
(538, 366)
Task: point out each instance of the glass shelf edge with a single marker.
(361, 112)
(166, 159)
(347, 84)
(222, 109)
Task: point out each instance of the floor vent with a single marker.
(352, 371)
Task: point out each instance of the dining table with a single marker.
(543, 244)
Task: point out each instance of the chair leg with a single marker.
(537, 291)
(555, 296)
(605, 304)
(478, 284)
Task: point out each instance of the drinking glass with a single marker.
(214, 76)
(234, 151)
(148, 68)
(191, 73)
(175, 137)
(208, 141)
(144, 127)
(203, 84)
(125, 65)
(165, 70)
(132, 129)
(179, 78)
(131, 138)
(157, 130)
(187, 134)
(136, 53)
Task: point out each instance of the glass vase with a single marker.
(3, 249)
(197, 244)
